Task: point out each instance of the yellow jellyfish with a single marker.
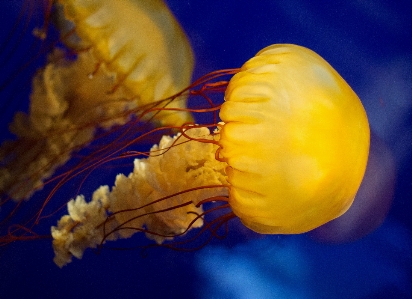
(296, 140)
(288, 157)
(130, 54)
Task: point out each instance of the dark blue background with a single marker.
(370, 44)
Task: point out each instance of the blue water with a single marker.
(370, 44)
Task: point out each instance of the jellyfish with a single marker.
(288, 156)
(119, 57)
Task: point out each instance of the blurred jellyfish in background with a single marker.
(368, 44)
(115, 58)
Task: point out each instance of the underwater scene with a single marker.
(205, 149)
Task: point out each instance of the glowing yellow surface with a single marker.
(296, 140)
